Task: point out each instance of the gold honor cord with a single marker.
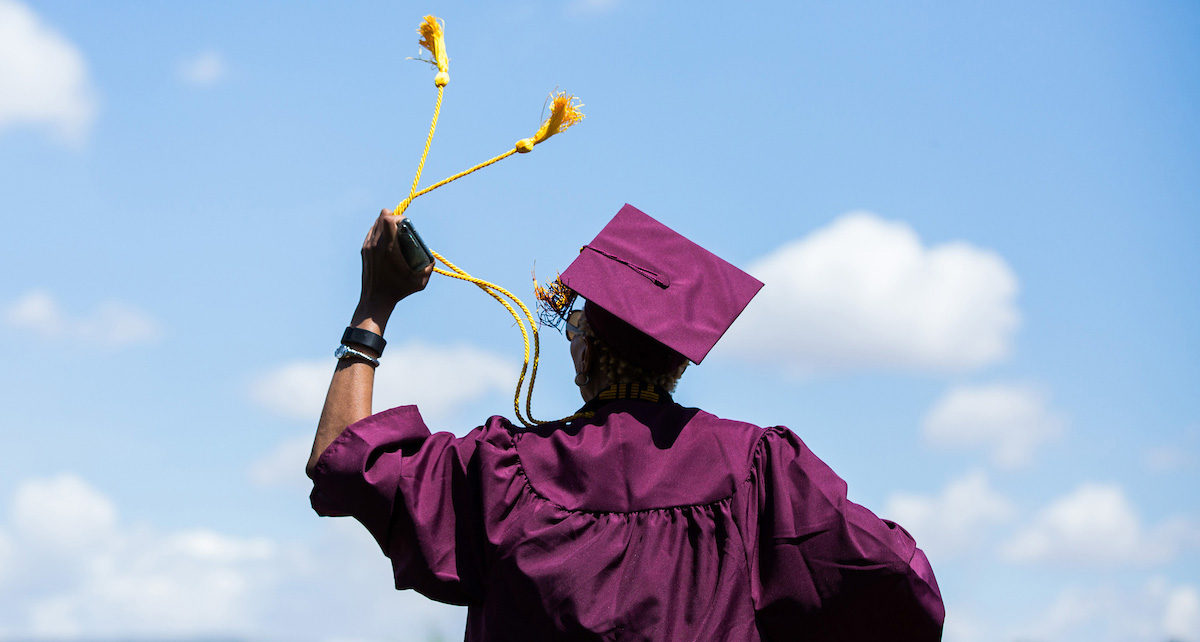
(564, 112)
(496, 292)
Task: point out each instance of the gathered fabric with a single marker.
(646, 521)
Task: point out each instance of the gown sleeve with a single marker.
(826, 568)
(409, 489)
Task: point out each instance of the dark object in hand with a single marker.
(415, 252)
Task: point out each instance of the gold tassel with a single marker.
(564, 112)
(433, 38)
(556, 296)
(554, 301)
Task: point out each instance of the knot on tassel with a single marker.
(433, 38)
(525, 145)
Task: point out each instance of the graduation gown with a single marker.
(648, 521)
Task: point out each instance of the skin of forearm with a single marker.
(350, 391)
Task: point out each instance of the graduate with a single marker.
(636, 518)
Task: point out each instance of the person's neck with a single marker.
(597, 382)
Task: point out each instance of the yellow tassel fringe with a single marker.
(433, 38)
(556, 296)
(564, 112)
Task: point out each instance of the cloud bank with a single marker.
(954, 522)
(1097, 525)
(63, 513)
(1157, 610)
(43, 77)
(76, 570)
(864, 293)
(110, 324)
(1010, 421)
(448, 377)
(71, 569)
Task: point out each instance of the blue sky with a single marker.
(977, 226)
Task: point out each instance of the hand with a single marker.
(386, 277)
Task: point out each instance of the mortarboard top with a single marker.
(660, 283)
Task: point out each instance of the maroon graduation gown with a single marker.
(649, 521)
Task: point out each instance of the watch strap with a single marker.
(364, 338)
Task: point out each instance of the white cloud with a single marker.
(203, 70)
(865, 293)
(955, 521)
(358, 581)
(62, 512)
(186, 582)
(284, 466)
(1181, 618)
(1157, 610)
(1010, 420)
(1096, 524)
(69, 569)
(437, 378)
(74, 570)
(296, 390)
(146, 584)
(110, 324)
(36, 311)
(962, 625)
(43, 77)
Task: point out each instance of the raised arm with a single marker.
(386, 279)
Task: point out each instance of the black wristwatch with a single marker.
(364, 338)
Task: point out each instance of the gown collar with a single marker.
(618, 391)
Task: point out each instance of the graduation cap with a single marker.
(654, 297)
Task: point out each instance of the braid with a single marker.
(619, 370)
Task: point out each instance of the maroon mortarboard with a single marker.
(647, 278)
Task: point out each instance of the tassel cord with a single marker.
(563, 114)
(496, 291)
(412, 192)
(464, 173)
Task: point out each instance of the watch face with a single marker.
(344, 352)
